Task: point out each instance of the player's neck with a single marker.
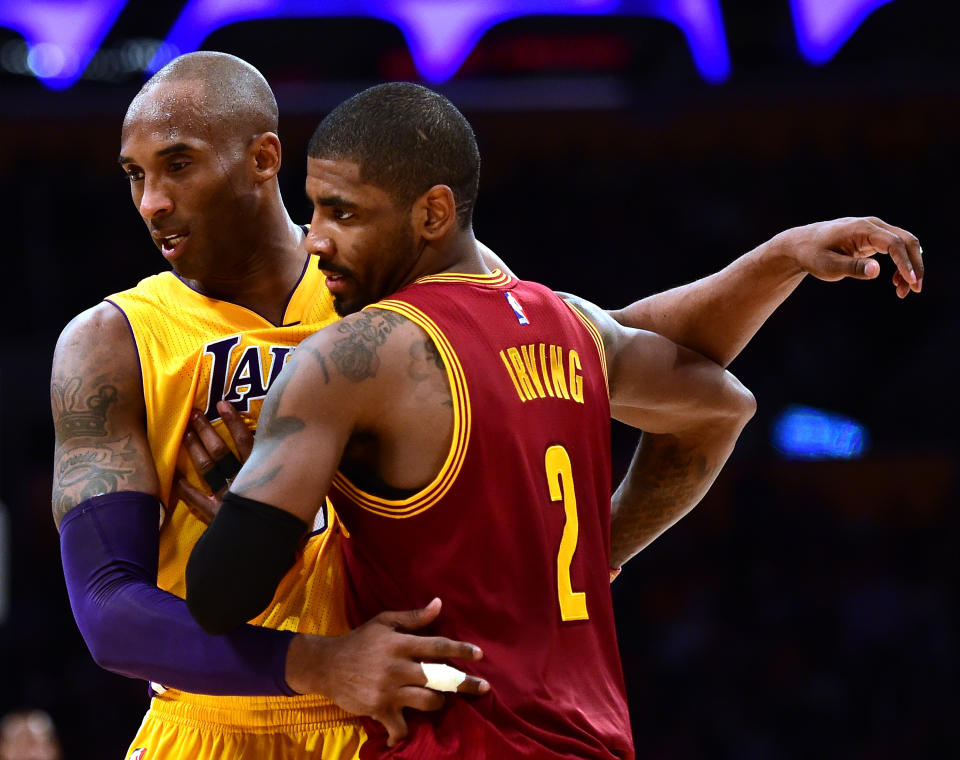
(260, 276)
(459, 254)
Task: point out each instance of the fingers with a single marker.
(835, 266)
(215, 445)
(440, 648)
(198, 454)
(241, 434)
(903, 288)
(473, 685)
(440, 677)
(420, 698)
(202, 504)
(395, 724)
(210, 453)
(914, 253)
(411, 620)
(846, 248)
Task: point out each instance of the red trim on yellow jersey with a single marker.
(431, 494)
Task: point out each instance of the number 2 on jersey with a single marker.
(573, 604)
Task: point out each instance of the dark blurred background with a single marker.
(807, 608)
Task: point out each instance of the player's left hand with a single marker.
(844, 248)
(213, 459)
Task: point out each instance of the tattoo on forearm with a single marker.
(272, 430)
(265, 478)
(664, 482)
(73, 417)
(355, 355)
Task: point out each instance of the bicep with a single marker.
(655, 384)
(98, 413)
(661, 387)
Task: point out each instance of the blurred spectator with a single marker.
(28, 735)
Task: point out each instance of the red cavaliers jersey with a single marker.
(512, 535)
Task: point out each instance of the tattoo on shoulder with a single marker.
(424, 352)
(426, 365)
(73, 416)
(355, 354)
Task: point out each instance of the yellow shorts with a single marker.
(198, 727)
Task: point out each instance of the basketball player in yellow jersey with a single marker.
(200, 149)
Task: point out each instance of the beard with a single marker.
(388, 282)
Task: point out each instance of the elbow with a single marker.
(740, 404)
(104, 633)
(747, 405)
(103, 654)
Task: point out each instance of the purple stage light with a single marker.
(62, 35)
(441, 33)
(823, 26)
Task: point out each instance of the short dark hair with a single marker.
(406, 139)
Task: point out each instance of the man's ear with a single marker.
(435, 212)
(265, 151)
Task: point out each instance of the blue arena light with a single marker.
(802, 432)
(441, 33)
(62, 35)
(823, 26)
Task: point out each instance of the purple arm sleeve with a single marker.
(110, 546)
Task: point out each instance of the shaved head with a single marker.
(208, 93)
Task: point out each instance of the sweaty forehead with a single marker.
(170, 111)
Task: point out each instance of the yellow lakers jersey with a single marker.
(194, 351)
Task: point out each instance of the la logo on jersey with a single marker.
(517, 308)
(138, 754)
(254, 373)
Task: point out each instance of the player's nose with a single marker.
(155, 201)
(319, 245)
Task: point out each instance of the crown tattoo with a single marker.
(85, 422)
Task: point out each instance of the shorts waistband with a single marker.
(251, 714)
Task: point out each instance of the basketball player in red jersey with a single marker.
(461, 426)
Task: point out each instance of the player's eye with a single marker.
(134, 175)
(341, 215)
(176, 166)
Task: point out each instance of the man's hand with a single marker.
(375, 669)
(213, 459)
(843, 248)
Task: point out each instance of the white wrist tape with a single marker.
(442, 677)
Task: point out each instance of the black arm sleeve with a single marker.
(239, 561)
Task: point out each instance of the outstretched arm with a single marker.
(691, 411)
(718, 315)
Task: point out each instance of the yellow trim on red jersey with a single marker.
(431, 494)
(597, 339)
(495, 278)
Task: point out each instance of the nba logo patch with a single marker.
(517, 308)
(138, 754)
